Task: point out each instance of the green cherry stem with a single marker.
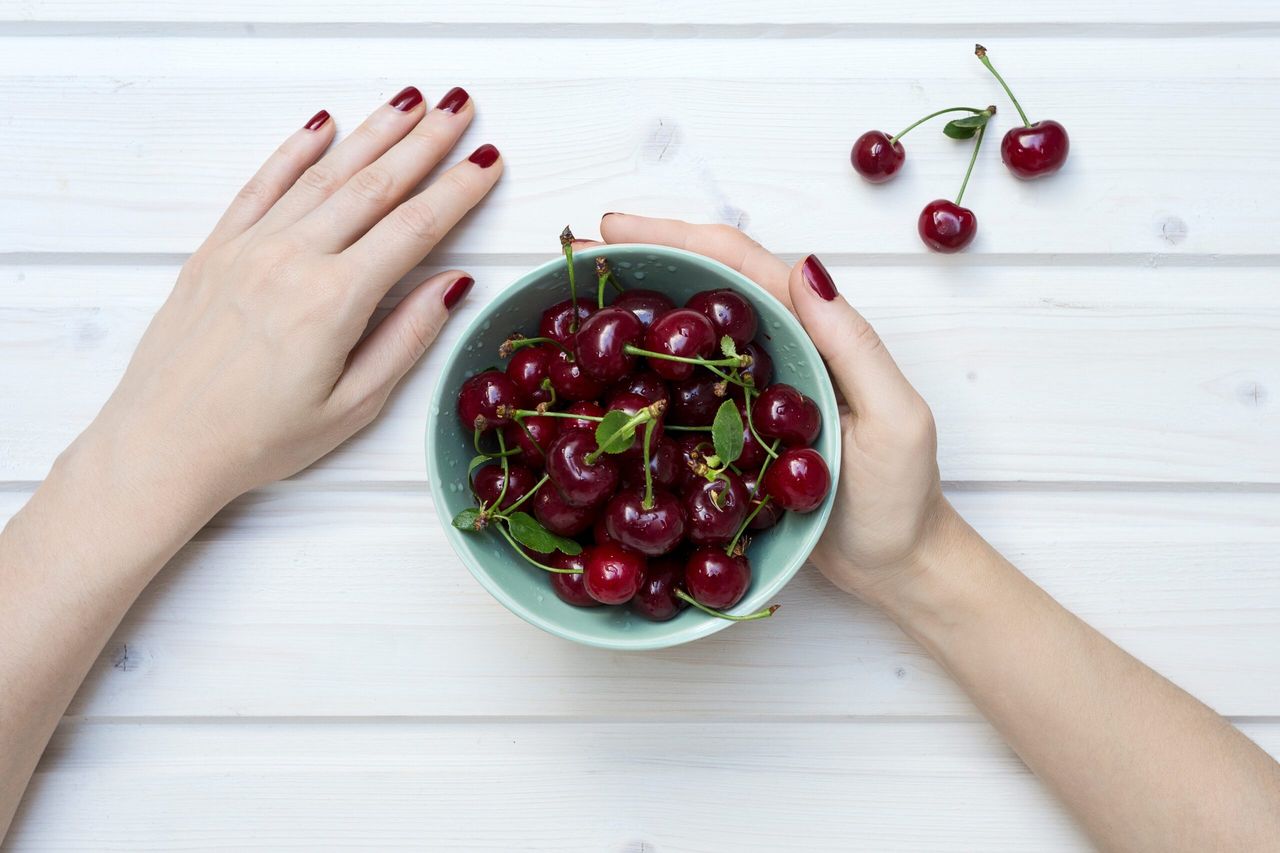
(538, 485)
(515, 342)
(973, 159)
(981, 53)
(759, 614)
(678, 428)
(602, 275)
(894, 139)
(634, 421)
(480, 451)
(735, 361)
(728, 549)
(773, 454)
(506, 470)
(520, 414)
(751, 426)
(566, 245)
(647, 503)
(521, 552)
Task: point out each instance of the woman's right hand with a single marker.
(889, 506)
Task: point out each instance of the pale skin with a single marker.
(255, 367)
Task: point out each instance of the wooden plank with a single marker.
(641, 12)
(753, 132)
(1034, 373)
(329, 602)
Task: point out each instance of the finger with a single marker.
(854, 353)
(396, 343)
(273, 180)
(405, 235)
(384, 127)
(723, 243)
(346, 215)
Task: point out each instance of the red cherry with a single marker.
(1035, 151)
(876, 157)
(651, 531)
(646, 384)
(600, 532)
(557, 321)
(558, 516)
(729, 312)
(656, 599)
(480, 397)
(487, 482)
(761, 367)
(798, 479)
(767, 517)
(714, 510)
(665, 463)
(716, 579)
(582, 407)
(569, 380)
(783, 412)
(693, 400)
(753, 453)
(569, 587)
(613, 573)
(526, 370)
(946, 226)
(602, 341)
(687, 445)
(645, 304)
(580, 483)
(533, 438)
(681, 332)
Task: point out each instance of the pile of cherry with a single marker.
(1030, 151)
(649, 444)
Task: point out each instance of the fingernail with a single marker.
(406, 99)
(818, 278)
(317, 121)
(453, 100)
(484, 156)
(456, 291)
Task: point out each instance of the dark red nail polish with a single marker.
(613, 213)
(406, 99)
(818, 278)
(453, 100)
(317, 121)
(456, 291)
(484, 156)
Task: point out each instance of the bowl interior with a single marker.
(775, 555)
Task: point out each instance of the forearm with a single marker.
(72, 562)
(1140, 762)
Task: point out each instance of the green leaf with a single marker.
(727, 347)
(958, 132)
(526, 530)
(612, 433)
(466, 520)
(476, 462)
(726, 432)
(963, 128)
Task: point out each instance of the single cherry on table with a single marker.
(1036, 149)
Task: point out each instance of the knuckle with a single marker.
(419, 333)
(365, 409)
(255, 190)
(865, 335)
(320, 178)
(419, 221)
(373, 184)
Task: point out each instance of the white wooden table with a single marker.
(316, 669)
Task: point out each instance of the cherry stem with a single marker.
(764, 467)
(647, 503)
(893, 140)
(745, 524)
(519, 414)
(514, 343)
(767, 449)
(981, 53)
(543, 566)
(475, 442)
(759, 614)
(566, 244)
(506, 471)
(735, 361)
(604, 274)
(687, 428)
(538, 485)
(976, 145)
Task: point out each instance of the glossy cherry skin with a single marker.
(652, 531)
(664, 465)
(947, 227)
(645, 304)
(613, 573)
(753, 452)
(694, 401)
(729, 312)
(681, 332)
(582, 407)
(715, 579)
(557, 321)
(765, 518)
(527, 369)
(761, 367)
(533, 439)
(656, 599)
(570, 381)
(602, 341)
(581, 483)
(600, 532)
(691, 447)
(632, 404)
(487, 482)
(708, 520)
(550, 508)
(569, 588)
(876, 157)
(798, 479)
(481, 395)
(1035, 151)
(783, 412)
(646, 383)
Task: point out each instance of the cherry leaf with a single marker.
(466, 520)
(613, 435)
(727, 432)
(728, 347)
(526, 530)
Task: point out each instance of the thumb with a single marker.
(863, 369)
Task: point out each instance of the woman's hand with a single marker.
(255, 367)
(889, 505)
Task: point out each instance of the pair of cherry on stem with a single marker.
(1031, 151)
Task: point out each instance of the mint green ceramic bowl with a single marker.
(776, 554)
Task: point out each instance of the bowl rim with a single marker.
(694, 630)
